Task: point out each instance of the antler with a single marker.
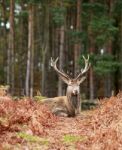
(62, 75)
(87, 66)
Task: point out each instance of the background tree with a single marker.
(11, 50)
(4, 16)
(30, 54)
(78, 44)
(34, 31)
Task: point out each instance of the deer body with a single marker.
(69, 105)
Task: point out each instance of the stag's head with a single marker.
(73, 88)
(73, 84)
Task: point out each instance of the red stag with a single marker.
(69, 105)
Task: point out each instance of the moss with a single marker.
(72, 138)
(39, 98)
(32, 138)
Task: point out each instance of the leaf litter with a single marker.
(27, 124)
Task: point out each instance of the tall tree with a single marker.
(91, 50)
(45, 47)
(86, 26)
(30, 54)
(78, 45)
(61, 56)
(108, 82)
(22, 49)
(120, 26)
(10, 63)
(61, 49)
(4, 16)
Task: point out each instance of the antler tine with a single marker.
(63, 75)
(53, 63)
(87, 66)
(85, 58)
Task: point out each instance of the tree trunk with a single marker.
(32, 55)
(3, 5)
(78, 46)
(121, 50)
(108, 84)
(92, 50)
(45, 48)
(22, 51)
(10, 62)
(91, 80)
(61, 60)
(91, 74)
(29, 69)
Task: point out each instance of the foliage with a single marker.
(100, 27)
(30, 1)
(58, 14)
(118, 8)
(96, 8)
(75, 36)
(103, 30)
(24, 112)
(103, 63)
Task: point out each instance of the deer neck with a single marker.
(72, 103)
(73, 99)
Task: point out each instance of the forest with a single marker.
(33, 31)
(84, 39)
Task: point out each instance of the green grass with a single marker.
(39, 98)
(68, 139)
(32, 138)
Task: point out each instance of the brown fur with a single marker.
(63, 106)
(57, 105)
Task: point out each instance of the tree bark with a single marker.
(22, 51)
(3, 5)
(10, 62)
(121, 50)
(91, 49)
(108, 84)
(45, 48)
(78, 46)
(61, 60)
(30, 54)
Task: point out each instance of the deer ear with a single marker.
(79, 81)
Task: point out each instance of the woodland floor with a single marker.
(28, 125)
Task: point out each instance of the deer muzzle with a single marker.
(74, 92)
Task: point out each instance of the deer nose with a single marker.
(75, 92)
